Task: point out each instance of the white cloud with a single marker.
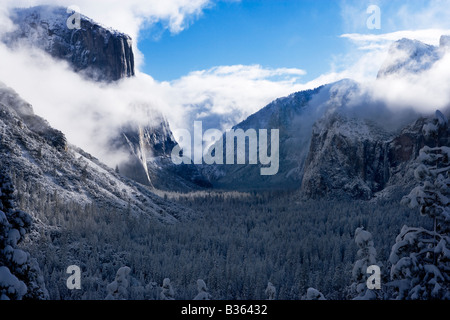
(88, 113)
(223, 96)
(424, 92)
(131, 15)
(371, 50)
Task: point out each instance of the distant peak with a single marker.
(409, 56)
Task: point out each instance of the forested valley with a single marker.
(236, 243)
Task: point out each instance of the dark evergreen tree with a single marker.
(20, 276)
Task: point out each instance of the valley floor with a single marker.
(236, 243)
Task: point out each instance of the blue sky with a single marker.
(275, 34)
(302, 34)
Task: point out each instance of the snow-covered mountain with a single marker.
(337, 140)
(412, 56)
(43, 162)
(366, 149)
(293, 116)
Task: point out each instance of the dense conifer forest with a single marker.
(236, 243)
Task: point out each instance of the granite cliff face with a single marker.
(359, 158)
(99, 53)
(348, 155)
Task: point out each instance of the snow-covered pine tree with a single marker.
(167, 292)
(203, 293)
(367, 255)
(118, 289)
(20, 275)
(270, 291)
(313, 294)
(420, 257)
